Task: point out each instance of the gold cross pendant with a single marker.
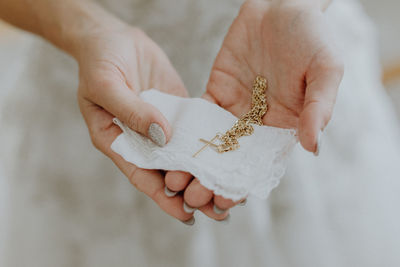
(207, 143)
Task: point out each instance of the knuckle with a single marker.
(311, 102)
(132, 180)
(197, 198)
(94, 138)
(327, 116)
(321, 109)
(192, 200)
(134, 120)
(104, 84)
(174, 183)
(99, 86)
(332, 63)
(223, 203)
(157, 195)
(212, 85)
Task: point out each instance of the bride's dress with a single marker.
(67, 205)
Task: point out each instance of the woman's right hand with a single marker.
(116, 64)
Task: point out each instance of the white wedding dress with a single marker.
(65, 204)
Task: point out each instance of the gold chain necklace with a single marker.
(243, 126)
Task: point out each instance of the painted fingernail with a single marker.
(319, 143)
(169, 193)
(243, 202)
(189, 222)
(218, 210)
(187, 208)
(226, 220)
(156, 134)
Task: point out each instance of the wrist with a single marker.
(73, 22)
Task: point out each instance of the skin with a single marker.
(289, 44)
(112, 73)
(116, 62)
(285, 41)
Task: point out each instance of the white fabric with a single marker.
(253, 169)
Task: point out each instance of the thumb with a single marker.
(323, 81)
(138, 115)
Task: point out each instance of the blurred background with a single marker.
(14, 44)
(385, 15)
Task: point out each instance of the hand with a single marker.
(288, 44)
(116, 62)
(115, 65)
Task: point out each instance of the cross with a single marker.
(207, 143)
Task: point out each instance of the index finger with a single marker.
(150, 182)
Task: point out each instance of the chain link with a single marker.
(243, 126)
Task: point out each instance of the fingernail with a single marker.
(218, 210)
(189, 222)
(226, 220)
(187, 208)
(169, 193)
(157, 135)
(318, 148)
(243, 202)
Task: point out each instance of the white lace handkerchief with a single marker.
(253, 169)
